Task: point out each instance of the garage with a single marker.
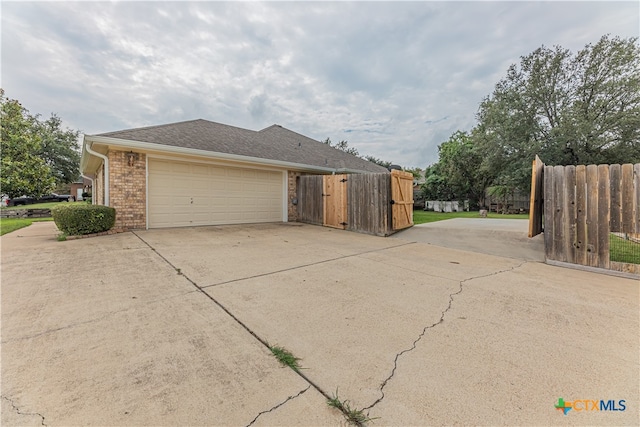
(192, 194)
(200, 172)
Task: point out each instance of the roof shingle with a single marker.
(271, 143)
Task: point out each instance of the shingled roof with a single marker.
(272, 143)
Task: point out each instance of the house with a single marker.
(80, 187)
(205, 173)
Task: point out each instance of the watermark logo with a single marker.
(581, 405)
(563, 406)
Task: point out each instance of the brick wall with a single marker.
(292, 193)
(127, 188)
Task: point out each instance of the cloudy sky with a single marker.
(394, 79)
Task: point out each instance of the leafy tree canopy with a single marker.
(581, 108)
(35, 155)
(60, 149)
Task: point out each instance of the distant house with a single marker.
(81, 186)
(205, 173)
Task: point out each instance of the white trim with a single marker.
(213, 162)
(285, 196)
(106, 171)
(213, 154)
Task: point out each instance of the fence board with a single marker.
(548, 211)
(569, 217)
(559, 252)
(603, 216)
(535, 203)
(615, 206)
(628, 194)
(310, 203)
(366, 201)
(583, 205)
(592, 215)
(369, 204)
(581, 215)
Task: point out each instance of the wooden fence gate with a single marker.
(379, 204)
(334, 193)
(402, 199)
(588, 208)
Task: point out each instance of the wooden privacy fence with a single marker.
(379, 204)
(583, 206)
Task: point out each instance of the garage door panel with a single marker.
(186, 194)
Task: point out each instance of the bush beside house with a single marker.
(80, 219)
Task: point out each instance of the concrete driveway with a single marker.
(168, 327)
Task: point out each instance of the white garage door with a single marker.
(189, 194)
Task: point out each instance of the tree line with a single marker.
(37, 155)
(569, 109)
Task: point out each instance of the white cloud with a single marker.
(394, 79)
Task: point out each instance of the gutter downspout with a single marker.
(93, 199)
(106, 172)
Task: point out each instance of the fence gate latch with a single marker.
(343, 180)
(344, 223)
(393, 202)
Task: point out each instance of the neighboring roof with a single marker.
(272, 143)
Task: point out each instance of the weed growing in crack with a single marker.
(285, 357)
(354, 416)
(179, 271)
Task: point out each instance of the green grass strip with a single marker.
(7, 225)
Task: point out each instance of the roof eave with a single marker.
(131, 144)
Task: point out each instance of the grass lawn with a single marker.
(421, 217)
(48, 205)
(622, 250)
(7, 225)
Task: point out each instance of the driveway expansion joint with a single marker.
(24, 413)
(278, 405)
(234, 317)
(426, 328)
(306, 265)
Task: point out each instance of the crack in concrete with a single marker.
(15, 408)
(426, 328)
(278, 405)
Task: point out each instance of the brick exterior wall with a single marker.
(127, 188)
(292, 193)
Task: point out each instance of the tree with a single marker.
(569, 109)
(378, 161)
(461, 168)
(416, 172)
(23, 172)
(59, 150)
(343, 146)
(436, 185)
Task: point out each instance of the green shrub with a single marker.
(75, 219)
